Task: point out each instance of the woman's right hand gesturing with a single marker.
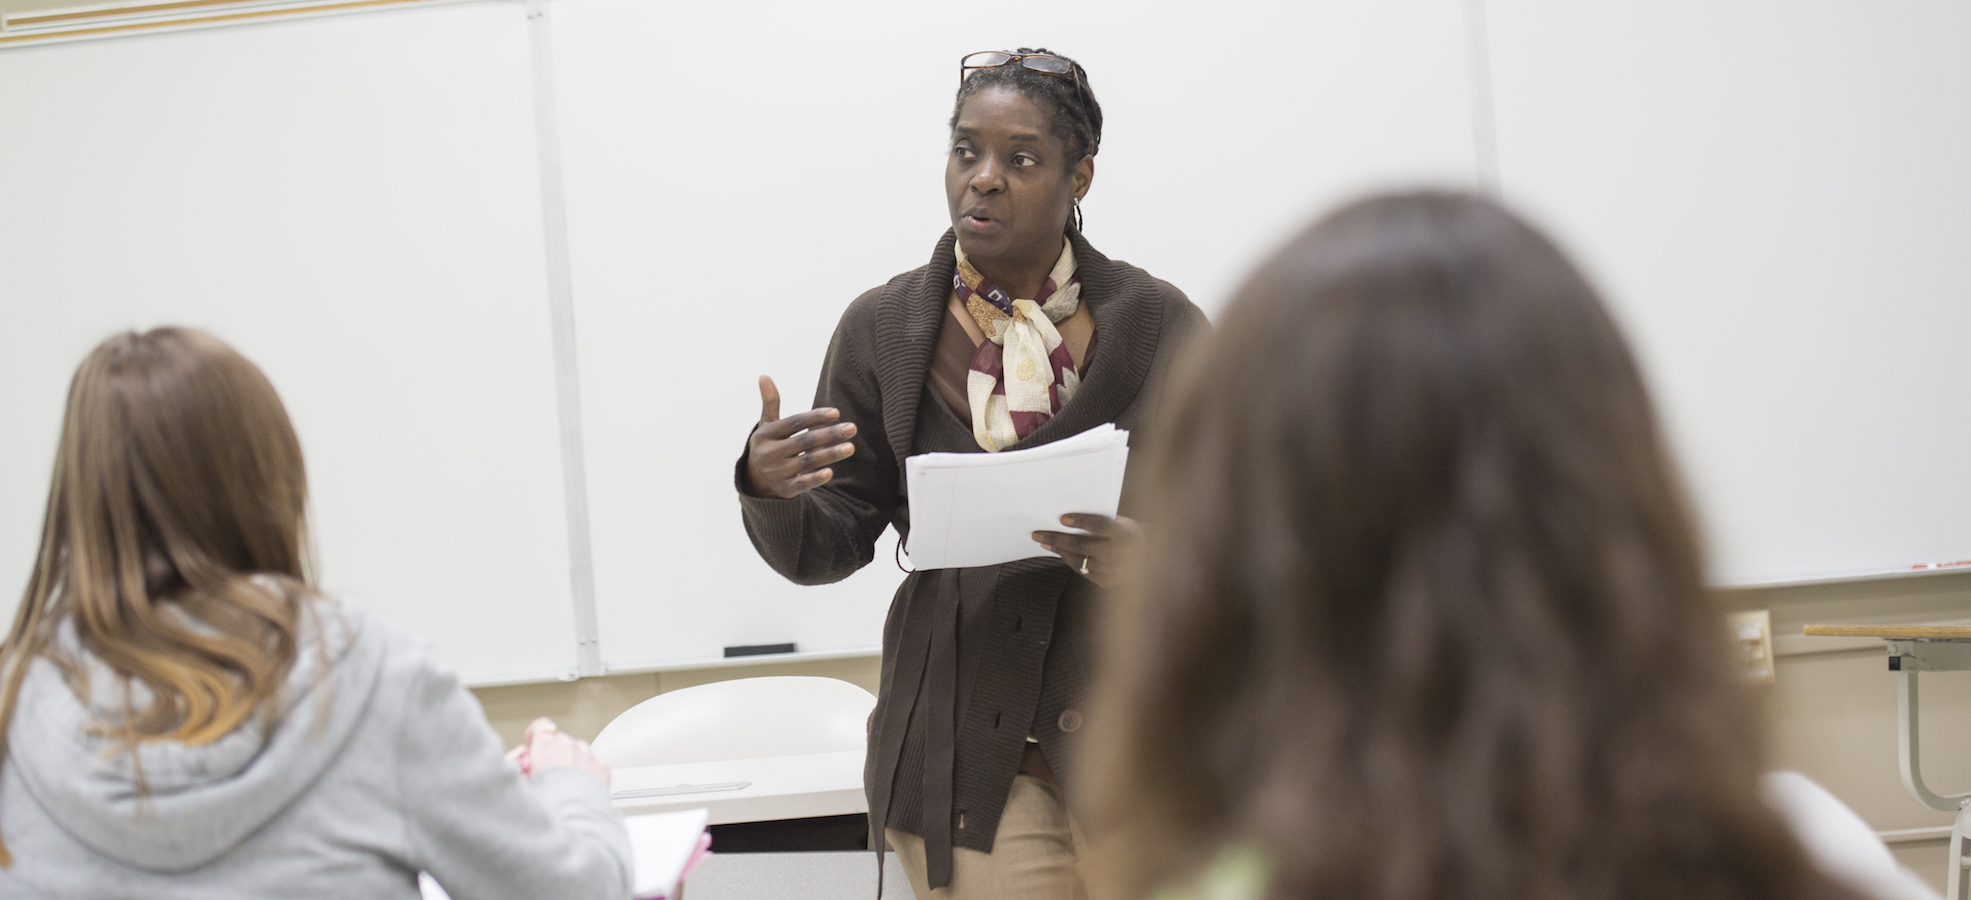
(789, 457)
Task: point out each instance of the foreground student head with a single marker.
(1425, 615)
(185, 715)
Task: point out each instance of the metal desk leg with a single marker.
(1907, 737)
(1955, 883)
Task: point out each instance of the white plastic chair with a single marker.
(746, 718)
(1839, 841)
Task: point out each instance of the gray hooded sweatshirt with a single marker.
(380, 766)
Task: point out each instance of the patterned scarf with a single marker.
(1021, 339)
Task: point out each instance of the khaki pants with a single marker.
(1033, 853)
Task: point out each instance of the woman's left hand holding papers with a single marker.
(1106, 555)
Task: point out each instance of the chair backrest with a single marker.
(746, 718)
(1839, 841)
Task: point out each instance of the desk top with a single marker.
(1893, 632)
(782, 787)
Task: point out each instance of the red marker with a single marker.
(1942, 565)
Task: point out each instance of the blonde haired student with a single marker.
(1424, 616)
(186, 715)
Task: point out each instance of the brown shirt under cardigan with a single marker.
(974, 660)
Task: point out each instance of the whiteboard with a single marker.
(354, 204)
(737, 173)
(1775, 198)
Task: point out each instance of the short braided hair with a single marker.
(1076, 117)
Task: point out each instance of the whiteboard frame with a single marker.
(248, 14)
(730, 662)
(1850, 578)
(561, 319)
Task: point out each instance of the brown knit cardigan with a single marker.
(974, 660)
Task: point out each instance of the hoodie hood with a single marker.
(195, 803)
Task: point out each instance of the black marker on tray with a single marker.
(758, 650)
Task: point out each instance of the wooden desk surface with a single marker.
(1893, 632)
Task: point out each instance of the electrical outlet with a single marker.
(1752, 641)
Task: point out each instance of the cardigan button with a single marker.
(1070, 721)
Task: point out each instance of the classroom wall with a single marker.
(1829, 714)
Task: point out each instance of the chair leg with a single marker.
(1954, 880)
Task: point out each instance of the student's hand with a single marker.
(789, 457)
(544, 747)
(1108, 554)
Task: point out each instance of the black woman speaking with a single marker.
(971, 744)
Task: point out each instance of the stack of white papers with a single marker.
(661, 844)
(981, 509)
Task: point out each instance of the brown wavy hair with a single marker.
(1424, 613)
(174, 538)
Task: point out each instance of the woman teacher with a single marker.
(970, 746)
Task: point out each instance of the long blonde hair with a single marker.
(174, 538)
